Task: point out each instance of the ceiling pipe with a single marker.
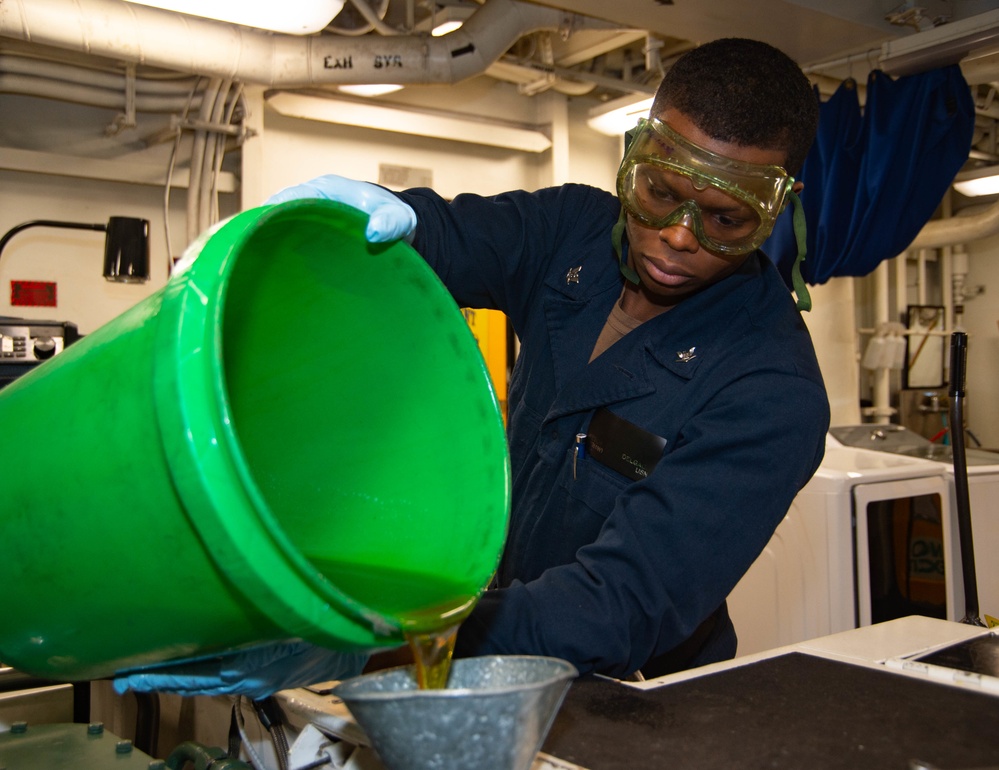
(150, 36)
(96, 88)
(958, 230)
(512, 72)
(77, 93)
(114, 80)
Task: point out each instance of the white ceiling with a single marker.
(837, 39)
(810, 31)
(806, 34)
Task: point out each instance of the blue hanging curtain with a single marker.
(875, 176)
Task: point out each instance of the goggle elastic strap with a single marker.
(804, 302)
(621, 248)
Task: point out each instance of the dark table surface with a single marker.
(792, 711)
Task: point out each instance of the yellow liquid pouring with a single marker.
(430, 629)
(432, 657)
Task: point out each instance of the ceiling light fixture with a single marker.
(977, 182)
(619, 115)
(410, 120)
(448, 26)
(445, 19)
(293, 17)
(370, 89)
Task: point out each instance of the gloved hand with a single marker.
(255, 673)
(389, 218)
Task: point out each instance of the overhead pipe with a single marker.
(374, 20)
(90, 96)
(569, 81)
(150, 36)
(515, 72)
(102, 88)
(881, 411)
(959, 229)
(15, 64)
(93, 87)
(196, 221)
(947, 265)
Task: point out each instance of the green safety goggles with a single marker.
(735, 216)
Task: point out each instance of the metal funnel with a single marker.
(494, 713)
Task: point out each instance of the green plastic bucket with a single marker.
(296, 438)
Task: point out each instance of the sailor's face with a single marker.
(671, 262)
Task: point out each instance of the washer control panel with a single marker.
(24, 341)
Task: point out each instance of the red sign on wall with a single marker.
(33, 293)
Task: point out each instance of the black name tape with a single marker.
(623, 446)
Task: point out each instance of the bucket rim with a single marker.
(197, 431)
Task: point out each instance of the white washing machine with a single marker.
(983, 495)
(839, 559)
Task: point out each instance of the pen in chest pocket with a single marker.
(578, 452)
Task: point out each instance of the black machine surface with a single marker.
(793, 711)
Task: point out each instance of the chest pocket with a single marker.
(585, 502)
(593, 491)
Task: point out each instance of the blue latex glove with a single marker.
(389, 218)
(255, 673)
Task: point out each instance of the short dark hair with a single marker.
(746, 92)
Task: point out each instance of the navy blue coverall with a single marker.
(606, 571)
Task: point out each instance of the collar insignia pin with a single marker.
(686, 356)
(573, 275)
